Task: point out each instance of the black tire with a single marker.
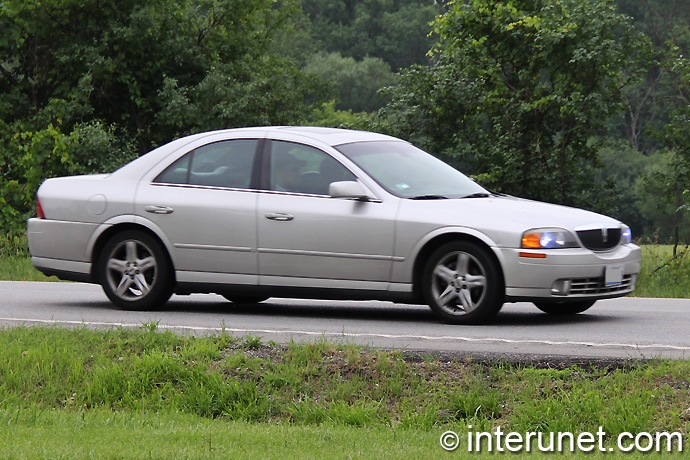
(564, 308)
(135, 272)
(244, 299)
(462, 283)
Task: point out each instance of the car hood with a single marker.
(502, 219)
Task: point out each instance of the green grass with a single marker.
(121, 393)
(19, 268)
(662, 275)
(103, 434)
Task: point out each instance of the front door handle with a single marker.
(280, 216)
(159, 209)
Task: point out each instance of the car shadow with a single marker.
(506, 317)
(511, 315)
(377, 311)
(321, 309)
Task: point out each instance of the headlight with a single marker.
(626, 235)
(548, 238)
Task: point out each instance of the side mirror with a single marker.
(348, 189)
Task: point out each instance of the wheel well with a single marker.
(114, 230)
(436, 243)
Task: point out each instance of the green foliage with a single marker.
(353, 44)
(13, 248)
(31, 156)
(356, 82)
(650, 103)
(397, 31)
(623, 169)
(665, 272)
(519, 90)
(660, 188)
(252, 92)
(671, 183)
(87, 85)
(328, 116)
(112, 61)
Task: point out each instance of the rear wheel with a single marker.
(462, 283)
(134, 271)
(564, 308)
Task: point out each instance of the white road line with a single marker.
(351, 334)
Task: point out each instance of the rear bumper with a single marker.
(57, 239)
(64, 269)
(59, 248)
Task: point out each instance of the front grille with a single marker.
(600, 239)
(588, 286)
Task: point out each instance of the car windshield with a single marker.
(408, 172)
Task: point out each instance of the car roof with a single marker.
(315, 134)
(330, 136)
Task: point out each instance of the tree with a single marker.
(356, 82)
(650, 102)
(111, 61)
(519, 90)
(395, 31)
(673, 183)
(622, 173)
(80, 78)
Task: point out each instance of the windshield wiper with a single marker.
(429, 197)
(477, 195)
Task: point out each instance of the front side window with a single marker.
(220, 164)
(408, 172)
(302, 169)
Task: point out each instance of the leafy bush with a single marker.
(32, 156)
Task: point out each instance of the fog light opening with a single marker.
(561, 287)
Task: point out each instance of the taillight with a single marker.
(39, 209)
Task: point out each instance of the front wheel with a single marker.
(134, 271)
(462, 284)
(564, 308)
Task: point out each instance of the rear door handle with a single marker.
(280, 216)
(159, 209)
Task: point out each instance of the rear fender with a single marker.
(129, 221)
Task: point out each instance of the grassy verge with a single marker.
(662, 274)
(103, 434)
(149, 394)
(19, 268)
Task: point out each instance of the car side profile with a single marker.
(310, 212)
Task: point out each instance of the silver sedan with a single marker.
(322, 213)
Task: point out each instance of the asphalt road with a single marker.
(627, 328)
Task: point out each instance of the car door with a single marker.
(306, 238)
(206, 206)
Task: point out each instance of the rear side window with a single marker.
(221, 164)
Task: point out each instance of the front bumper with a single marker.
(568, 274)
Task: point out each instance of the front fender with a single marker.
(403, 271)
